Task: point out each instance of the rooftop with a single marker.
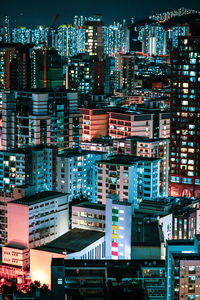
(15, 246)
(127, 160)
(38, 198)
(146, 232)
(74, 240)
(91, 205)
(111, 265)
(78, 152)
(140, 139)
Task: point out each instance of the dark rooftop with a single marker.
(78, 152)
(15, 246)
(73, 241)
(140, 139)
(180, 242)
(110, 264)
(38, 198)
(146, 232)
(98, 206)
(126, 160)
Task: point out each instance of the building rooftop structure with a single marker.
(77, 152)
(38, 198)
(140, 138)
(74, 240)
(146, 232)
(98, 206)
(121, 159)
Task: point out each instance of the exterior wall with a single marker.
(164, 126)
(189, 282)
(40, 265)
(77, 174)
(145, 252)
(16, 257)
(95, 250)
(133, 182)
(18, 227)
(36, 135)
(118, 230)
(37, 224)
(147, 148)
(88, 218)
(90, 146)
(167, 224)
(124, 176)
(176, 248)
(124, 125)
(48, 220)
(184, 159)
(94, 124)
(194, 224)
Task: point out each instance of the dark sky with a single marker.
(39, 12)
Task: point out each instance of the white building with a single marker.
(89, 216)
(118, 229)
(77, 172)
(75, 244)
(38, 219)
(132, 178)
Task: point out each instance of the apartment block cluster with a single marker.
(99, 161)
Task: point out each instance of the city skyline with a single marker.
(44, 13)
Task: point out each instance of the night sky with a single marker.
(38, 12)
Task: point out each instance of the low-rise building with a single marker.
(76, 244)
(118, 229)
(16, 256)
(147, 239)
(37, 219)
(89, 216)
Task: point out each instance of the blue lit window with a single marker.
(192, 73)
(193, 61)
(175, 179)
(187, 180)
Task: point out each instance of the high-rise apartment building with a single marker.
(70, 40)
(47, 69)
(145, 147)
(124, 73)
(94, 123)
(94, 36)
(185, 112)
(124, 124)
(85, 74)
(115, 39)
(30, 165)
(132, 178)
(6, 29)
(45, 117)
(21, 35)
(77, 172)
(16, 66)
(118, 229)
(182, 268)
